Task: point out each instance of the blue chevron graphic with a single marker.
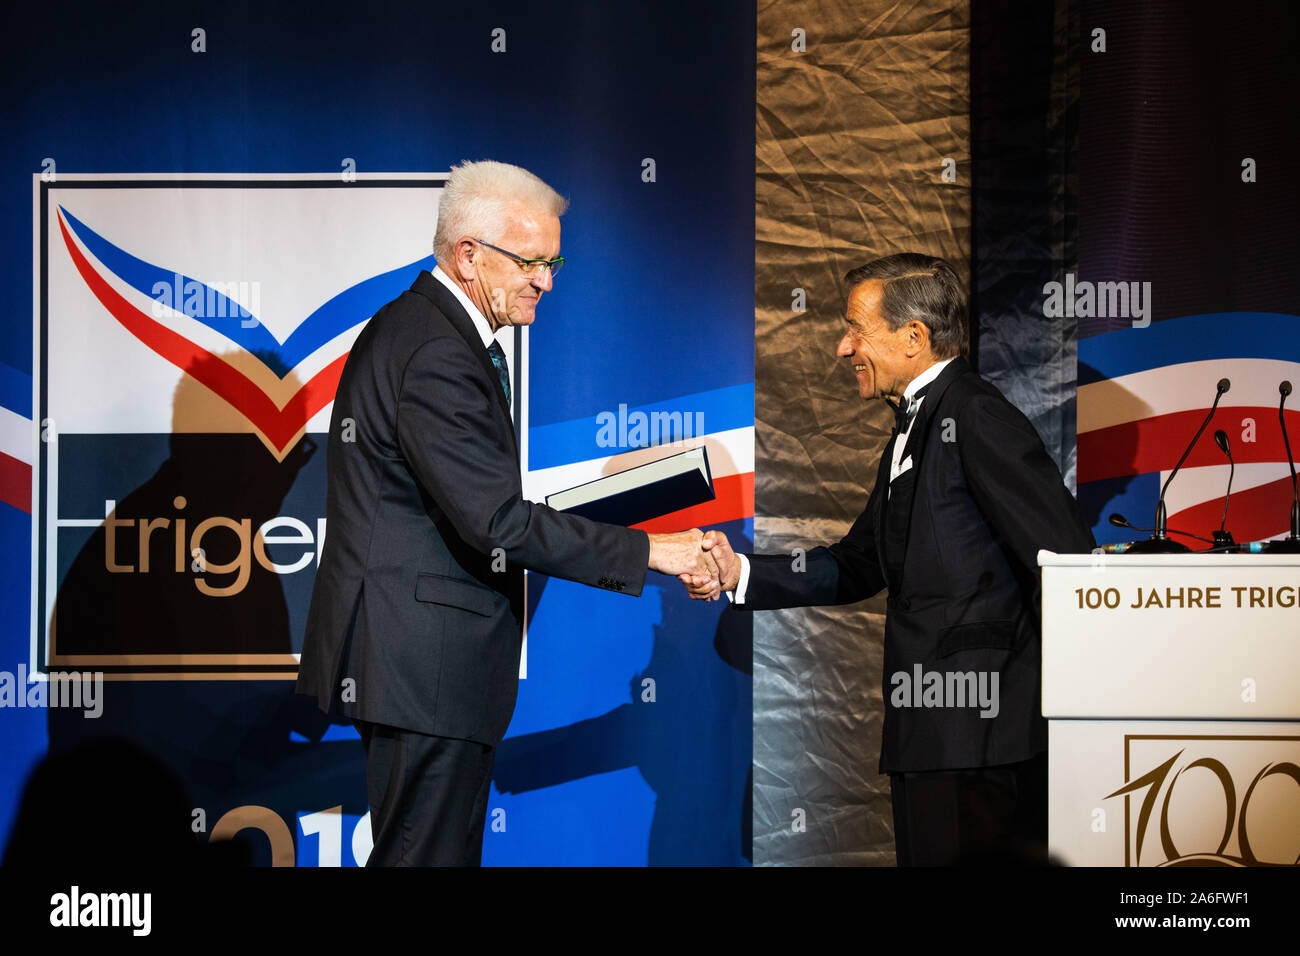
(348, 308)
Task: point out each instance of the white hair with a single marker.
(476, 198)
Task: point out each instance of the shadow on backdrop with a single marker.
(233, 742)
(105, 803)
(673, 741)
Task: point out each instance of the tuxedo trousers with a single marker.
(428, 796)
(981, 816)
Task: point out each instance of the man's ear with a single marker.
(918, 338)
(463, 253)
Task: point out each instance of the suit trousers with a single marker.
(428, 796)
(982, 816)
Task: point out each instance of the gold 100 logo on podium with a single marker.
(1211, 800)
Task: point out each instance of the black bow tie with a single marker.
(906, 410)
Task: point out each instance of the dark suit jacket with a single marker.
(419, 595)
(986, 498)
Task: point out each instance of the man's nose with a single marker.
(543, 280)
(846, 347)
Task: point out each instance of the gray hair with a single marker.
(476, 198)
(923, 288)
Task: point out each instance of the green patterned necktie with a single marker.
(503, 372)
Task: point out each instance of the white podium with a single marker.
(1171, 685)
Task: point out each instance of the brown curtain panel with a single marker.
(863, 150)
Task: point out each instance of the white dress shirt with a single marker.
(895, 464)
(481, 324)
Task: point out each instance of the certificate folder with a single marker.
(641, 493)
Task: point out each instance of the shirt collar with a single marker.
(481, 324)
(924, 379)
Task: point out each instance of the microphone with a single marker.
(1159, 542)
(1119, 521)
(1291, 543)
(1222, 538)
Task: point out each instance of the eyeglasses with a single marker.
(529, 267)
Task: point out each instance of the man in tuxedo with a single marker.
(415, 625)
(964, 498)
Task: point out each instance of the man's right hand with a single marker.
(682, 554)
(716, 545)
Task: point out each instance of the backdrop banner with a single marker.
(1186, 273)
(203, 210)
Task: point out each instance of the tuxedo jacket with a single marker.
(417, 608)
(963, 580)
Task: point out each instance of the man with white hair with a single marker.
(415, 626)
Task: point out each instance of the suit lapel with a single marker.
(446, 303)
(880, 498)
(917, 442)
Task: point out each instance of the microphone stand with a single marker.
(1160, 542)
(1291, 543)
(1223, 537)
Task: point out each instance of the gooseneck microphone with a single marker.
(1223, 537)
(1160, 542)
(1119, 521)
(1291, 543)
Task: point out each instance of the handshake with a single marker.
(703, 562)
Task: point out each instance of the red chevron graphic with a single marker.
(15, 483)
(279, 426)
(1254, 514)
(1155, 443)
